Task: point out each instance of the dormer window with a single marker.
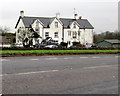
(56, 24)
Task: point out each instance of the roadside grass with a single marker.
(42, 52)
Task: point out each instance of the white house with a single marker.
(60, 29)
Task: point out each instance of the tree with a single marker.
(106, 35)
(4, 30)
(26, 37)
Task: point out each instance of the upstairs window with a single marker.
(74, 34)
(37, 26)
(74, 25)
(56, 24)
(56, 35)
(46, 34)
(36, 29)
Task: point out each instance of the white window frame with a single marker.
(74, 34)
(55, 34)
(74, 25)
(56, 24)
(37, 29)
(46, 34)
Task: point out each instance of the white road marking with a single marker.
(28, 73)
(100, 66)
(95, 57)
(33, 59)
(4, 60)
(83, 57)
(66, 58)
(51, 58)
(117, 56)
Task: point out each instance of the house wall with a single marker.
(53, 30)
(86, 35)
(40, 32)
(20, 24)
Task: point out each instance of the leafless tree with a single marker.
(4, 29)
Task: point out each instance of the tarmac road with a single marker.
(70, 74)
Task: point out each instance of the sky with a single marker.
(102, 14)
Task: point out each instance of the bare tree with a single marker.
(4, 30)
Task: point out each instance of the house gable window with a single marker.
(74, 34)
(37, 26)
(46, 34)
(56, 35)
(74, 25)
(56, 24)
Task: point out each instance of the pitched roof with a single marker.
(113, 41)
(84, 23)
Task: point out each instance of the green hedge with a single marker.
(56, 51)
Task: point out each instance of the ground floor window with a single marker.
(56, 41)
(68, 42)
(78, 33)
(56, 35)
(46, 34)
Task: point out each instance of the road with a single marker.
(70, 74)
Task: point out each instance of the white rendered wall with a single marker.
(53, 29)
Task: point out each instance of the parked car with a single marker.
(40, 45)
(51, 46)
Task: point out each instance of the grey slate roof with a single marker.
(113, 41)
(84, 23)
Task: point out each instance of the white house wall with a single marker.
(53, 29)
(20, 24)
(40, 28)
(88, 36)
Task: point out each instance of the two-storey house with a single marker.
(67, 30)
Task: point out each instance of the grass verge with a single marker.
(55, 52)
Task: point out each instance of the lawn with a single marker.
(56, 51)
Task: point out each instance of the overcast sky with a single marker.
(102, 14)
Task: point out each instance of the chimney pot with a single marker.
(22, 13)
(58, 15)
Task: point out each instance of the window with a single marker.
(74, 25)
(74, 34)
(56, 41)
(68, 42)
(69, 33)
(78, 33)
(37, 26)
(56, 24)
(36, 29)
(46, 34)
(56, 34)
